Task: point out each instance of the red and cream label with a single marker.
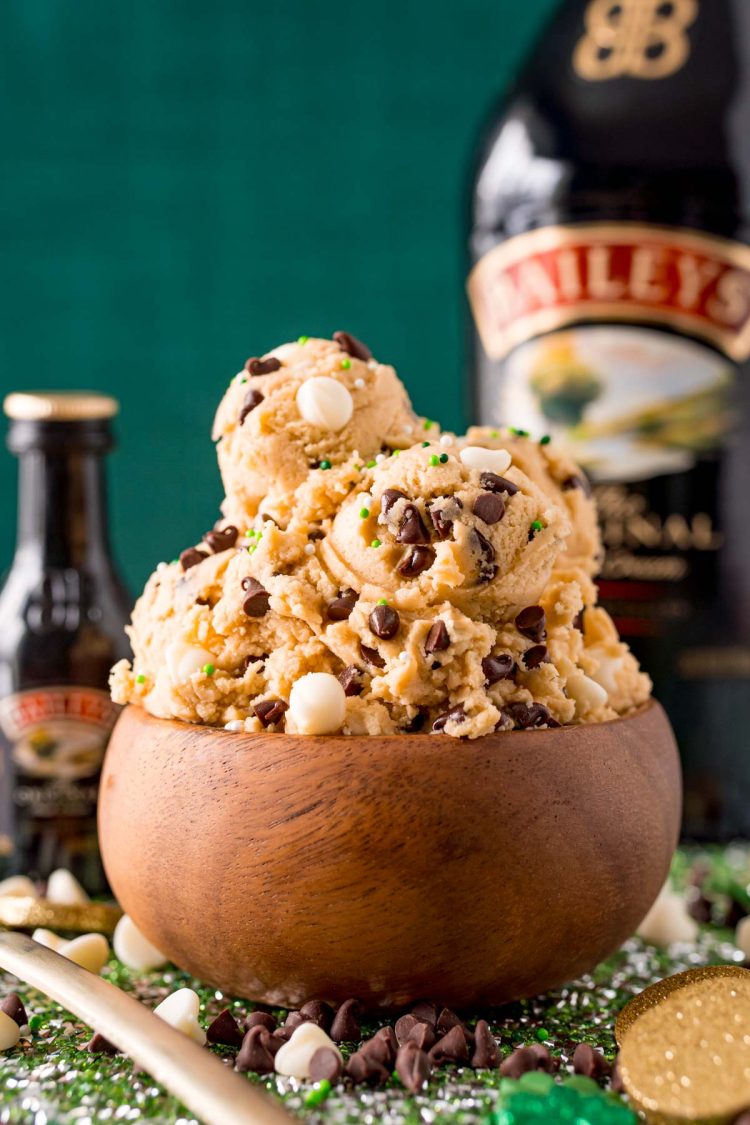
(57, 733)
(616, 272)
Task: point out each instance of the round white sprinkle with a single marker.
(486, 460)
(180, 1010)
(134, 949)
(235, 725)
(309, 549)
(380, 458)
(317, 704)
(408, 429)
(324, 402)
(447, 439)
(18, 886)
(10, 1032)
(359, 384)
(90, 951)
(64, 888)
(294, 1057)
(404, 657)
(364, 500)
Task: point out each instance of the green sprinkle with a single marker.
(382, 601)
(536, 525)
(434, 459)
(542, 1034)
(364, 513)
(518, 433)
(302, 339)
(545, 440)
(324, 465)
(319, 1093)
(208, 669)
(375, 543)
(140, 679)
(174, 562)
(358, 468)
(346, 364)
(371, 464)
(495, 433)
(427, 424)
(395, 452)
(443, 458)
(35, 1023)
(243, 379)
(425, 444)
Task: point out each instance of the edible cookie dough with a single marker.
(431, 582)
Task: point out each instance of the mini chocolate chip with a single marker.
(417, 559)
(388, 1035)
(589, 1062)
(425, 1010)
(521, 1061)
(578, 480)
(341, 607)
(260, 1019)
(326, 1064)
(283, 1034)
(535, 656)
(384, 622)
(352, 346)
(413, 1067)
(412, 527)
(486, 552)
(455, 714)
(255, 366)
(532, 623)
(438, 637)
(203, 601)
(371, 656)
(12, 1005)
(270, 711)
(225, 1029)
(361, 1068)
(404, 1025)
(256, 598)
(422, 1034)
(416, 723)
(527, 715)
(256, 1053)
(315, 534)
(222, 539)
(578, 620)
(318, 1012)
(254, 658)
(494, 483)
(98, 1045)
(440, 521)
(345, 1027)
(486, 1055)
(378, 1049)
(616, 1083)
(498, 668)
(294, 1019)
(390, 497)
(489, 507)
(252, 399)
(448, 1020)
(191, 557)
(451, 1048)
(351, 680)
(544, 1060)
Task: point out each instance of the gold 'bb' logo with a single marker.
(634, 38)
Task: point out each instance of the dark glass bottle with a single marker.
(63, 609)
(610, 288)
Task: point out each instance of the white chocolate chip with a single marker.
(668, 920)
(323, 401)
(235, 725)
(18, 886)
(317, 704)
(587, 693)
(486, 460)
(359, 384)
(134, 949)
(90, 951)
(49, 940)
(606, 670)
(64, 888)
(742, 937)
(184, 660)
(180, 1010)
(293, 1058)
(10, 1032)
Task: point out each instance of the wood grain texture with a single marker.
(282, 867)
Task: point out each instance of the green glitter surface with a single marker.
(50, 1080)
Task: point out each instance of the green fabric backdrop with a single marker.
(186, 183)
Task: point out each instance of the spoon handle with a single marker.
(216, 1094)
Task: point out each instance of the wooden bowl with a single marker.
(283, 868)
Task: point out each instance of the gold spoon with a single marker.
(215, 1093)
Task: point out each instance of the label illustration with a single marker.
(634, 39)
(57, 733)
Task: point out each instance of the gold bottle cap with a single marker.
(59, 406)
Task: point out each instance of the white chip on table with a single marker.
(64, 888)
(294, 1057)
(180, 1010)
(133, 947)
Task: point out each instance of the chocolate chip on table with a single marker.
(616, 1083)
(438, 638)
(404, 1025)
(486, 552)
(260, 1019)
(257, 598)
(742, 1119)
(455, 715)
(326, 1064)
(256, 366)
(362, 1068)
(425, 1010)
(589, 1062)
(544, 1060)
(340, 608)
(417, 559)
(351, 680)
(528, 715)
(378, 1050)
(390, 497)
(388, 1036)
(221, 539)
(489, 507)
(252, 399)
(578, 480)
(384, 622)
(413, 1067)
(448, 1019)
(191, 557)
(256, 1053)
(491, 482)
(486, 1054)
(352, 346)
(532, 623)
(422, 1034)
(225, 1029)
(535, 656)
(318, 1012)
(270, 711)
(98, 1045)
(345, 1027)
(522, 1061)
(412, 528)
(452, 1047)
(12, 1005)
(371, 656)
(498, 668)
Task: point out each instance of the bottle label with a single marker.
(556, 276)
(634, 39)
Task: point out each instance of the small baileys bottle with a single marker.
(63, 609)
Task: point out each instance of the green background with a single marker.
(187, 183)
